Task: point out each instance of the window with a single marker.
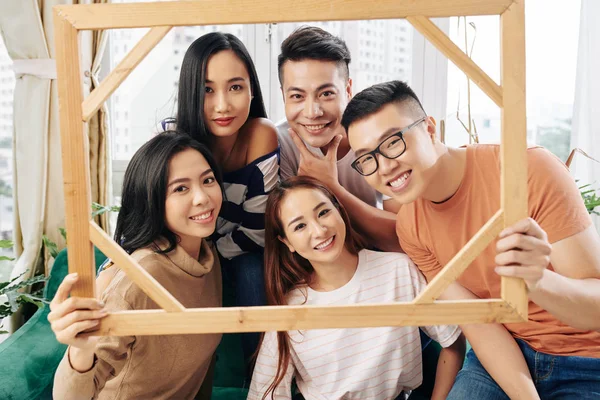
(7, 85)
(550, 84)
(149, 94)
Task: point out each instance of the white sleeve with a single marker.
(266, 369)
(445, 335)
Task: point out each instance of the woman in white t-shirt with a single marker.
(312, 256)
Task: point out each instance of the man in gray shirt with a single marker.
(316, 87)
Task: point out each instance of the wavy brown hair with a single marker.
(284, 270)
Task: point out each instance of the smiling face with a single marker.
(407, 177)
(313, 226)
(228, 94)
(193, 198)
(315, 94)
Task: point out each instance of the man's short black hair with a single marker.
(374, 98)
(313, 43)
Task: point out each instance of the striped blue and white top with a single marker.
(241, 223)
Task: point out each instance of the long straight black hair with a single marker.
(142, 217)
(192, 83)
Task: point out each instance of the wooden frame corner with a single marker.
(161, 16)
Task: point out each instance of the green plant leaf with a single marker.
(63, 233)
(6, 244)
(5, 258)
(27, 282)
(4, 310)
(12, 298)
(50, 245)
(31, 299)
(99, 209)
(5, 284)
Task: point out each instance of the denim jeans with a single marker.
(555, 377)
(245, 275)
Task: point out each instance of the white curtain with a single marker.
(586, 124)
(36, 134)
(27, 29)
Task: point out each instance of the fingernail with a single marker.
(74, 275)
(101, 304)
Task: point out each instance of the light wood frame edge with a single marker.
(77, 194)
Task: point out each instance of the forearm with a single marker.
(74, 377)
(502, 358)
(575, 302)
(497, 351)
(449, 363)
(377, 225)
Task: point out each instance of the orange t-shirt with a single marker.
(431, 234)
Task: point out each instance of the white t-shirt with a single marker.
(351, 180)
(354, 363)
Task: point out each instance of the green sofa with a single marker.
(29, 357)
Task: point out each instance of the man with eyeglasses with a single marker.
(447, 195)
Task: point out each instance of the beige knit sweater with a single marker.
(152, 367)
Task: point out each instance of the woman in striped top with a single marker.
(312, 257)
(220, 104)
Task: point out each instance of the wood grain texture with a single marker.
(443, 43)
(283, 318)
(69, 19)
(99, 95)
(75, 160)
(217, 12)
(514, 136)
(461, 261)
(134, 271)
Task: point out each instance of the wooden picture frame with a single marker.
(174, 318)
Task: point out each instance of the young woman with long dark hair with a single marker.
(220, 104)
(172, 194)
(313, 257)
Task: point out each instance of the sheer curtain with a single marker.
(586, 124)
(27, 30)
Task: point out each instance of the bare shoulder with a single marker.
(262, 138)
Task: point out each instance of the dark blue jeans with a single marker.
(555, 377)
(244, 274)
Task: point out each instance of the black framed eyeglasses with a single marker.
(392, 147)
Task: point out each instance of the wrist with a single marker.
(81, 360)
(539, 285)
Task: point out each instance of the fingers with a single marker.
(69, 335)
(59, 310)
(523, 242)
(299, 143)
(76, 317)
(522, 258)
(529, 274)
(62, 293)
(526, 226)
(332, 147)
